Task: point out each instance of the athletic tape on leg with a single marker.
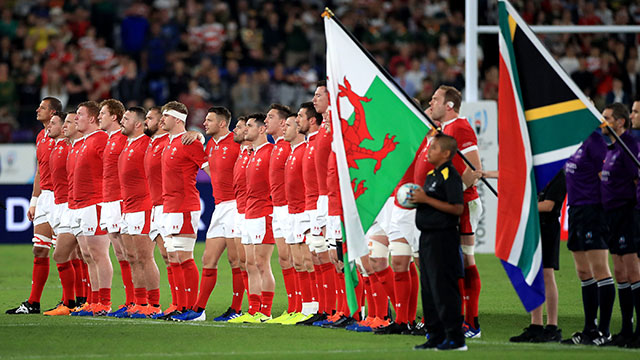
(467, 249)
(181, 243)
(399, 248)
(377, 249)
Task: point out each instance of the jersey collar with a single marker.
(159, 136)
(172, 137)
(450, 122)
(222, 138)
(311, 135)
(113, 133)
(297, 145)
(132, 140)
(260, 147)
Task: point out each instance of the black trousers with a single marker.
(440, 269)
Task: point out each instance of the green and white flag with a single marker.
(377, 131)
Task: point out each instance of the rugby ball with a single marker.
(402, 195)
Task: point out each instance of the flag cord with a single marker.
(384, 71)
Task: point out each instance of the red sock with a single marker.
(125, 269)
(105, 296)
(245, 281)
(153, 297)
(462, 295)
(380, 297)
(304, 277)
(254, 304)
(289, 276)
(140, 296)
(329, 284)
(95, 297)
(77, 282)
(341, 306)
(238, 289)
(415, 291)
(298, 292)
(266, 302)
(67, 279)
(472, 291)
(191, 278)
(322, 299)
(86, 280)
(359, 297)
(385, 277)
(314, 287)
(178, 281)
(172, 285)
(368, 292)
(38, 278)
(209, 278)
(402, 288)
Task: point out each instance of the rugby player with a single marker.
(136, 219)
(40, 207)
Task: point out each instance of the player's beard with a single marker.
(149, 132)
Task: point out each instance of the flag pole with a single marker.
(624, 146)
(329, 14)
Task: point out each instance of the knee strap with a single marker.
(399, 248)
(377, 249)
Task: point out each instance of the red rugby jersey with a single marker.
(58, 167)
(333, 187)
(309, 172)
(133, 181)
(72, 155)
(467, 141)
(44, 146)
(258, 190)
(323, 149)
(422, 164)
(87, 176)
(240, 179)
(180, 165)
(293, 179)
(279, 156)
(222, 156)
(153, 167)
(111, 180)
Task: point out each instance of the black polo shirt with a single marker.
(445, 184)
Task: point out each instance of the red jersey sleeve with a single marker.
(134, 186)
(467, 142)
(240, 180)
(71, 165)
(322, 151)
(153, 167)
(279, 156)
(333, 187)
(44, 146)
(58, 167)
(294, 183)
(310, 175)
(111, 179)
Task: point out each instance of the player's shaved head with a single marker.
(447, 143)
(139, 113)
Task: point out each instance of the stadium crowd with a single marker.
(246, 55)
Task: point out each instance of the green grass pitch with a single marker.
(39, 337)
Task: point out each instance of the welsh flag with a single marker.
(543, 117)
(377, 130)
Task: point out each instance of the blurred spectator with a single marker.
(569, 62)
(584, 78)
(617, 94)
(130, 89)
(491, 84)
(631, 79)
(8, 95)
(402, 80)
(244, 95)
(55, 87)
